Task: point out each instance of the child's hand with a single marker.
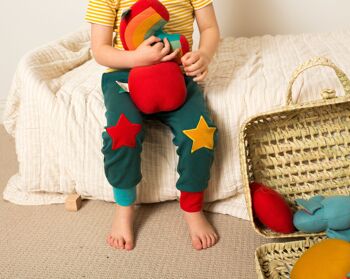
(196, 64)
(148, 54)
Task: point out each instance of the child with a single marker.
(194, 131)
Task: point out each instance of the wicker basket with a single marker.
(300, 150)
(276, 260)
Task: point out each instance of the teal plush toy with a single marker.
(330, 214)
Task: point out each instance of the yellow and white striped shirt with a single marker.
(108, 12)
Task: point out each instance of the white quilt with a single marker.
(55, 111)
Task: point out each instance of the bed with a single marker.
(55, 112)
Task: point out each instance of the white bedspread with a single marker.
(55, 111)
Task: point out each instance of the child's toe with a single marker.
(108, 239)
(120, 243)
(196, 242)
(204, 242)
(115, 242)
(213, 239)
(129, 244)
(111, 241)
(216, 236)
(209, 242)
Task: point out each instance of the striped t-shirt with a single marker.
(108, 12)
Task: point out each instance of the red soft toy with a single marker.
(271, 208)
(159, 87)
(167, 93)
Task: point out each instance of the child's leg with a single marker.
(195, 136)
(122, 139)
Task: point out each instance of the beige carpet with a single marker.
(49, 242)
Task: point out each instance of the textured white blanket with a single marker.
(55, 111)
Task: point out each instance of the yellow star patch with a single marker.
(202, 135)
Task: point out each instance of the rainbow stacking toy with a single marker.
(144, 19)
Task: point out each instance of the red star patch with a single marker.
(123, 133)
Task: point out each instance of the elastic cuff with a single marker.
(124, 197)
(191, 201)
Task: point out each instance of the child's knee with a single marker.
(202, 133)
(122, 146)
(122, 132)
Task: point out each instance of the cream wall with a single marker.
(256, 17)
(25, 24)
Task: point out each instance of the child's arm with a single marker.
(196, 62)
(146, 54)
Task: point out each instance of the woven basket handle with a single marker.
(319, 61)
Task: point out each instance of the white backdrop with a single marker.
(27, 24)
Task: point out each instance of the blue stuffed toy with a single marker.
(330, 214)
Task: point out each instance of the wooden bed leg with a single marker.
(73, 202)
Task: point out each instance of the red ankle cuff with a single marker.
(191, 201)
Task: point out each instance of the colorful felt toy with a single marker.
(271, 208)
(331, 214)
(159, 87)
(328, 259)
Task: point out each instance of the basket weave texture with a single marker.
(299, 150)
(276, 260)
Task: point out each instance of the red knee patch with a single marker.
(123, 133)
(191, 201)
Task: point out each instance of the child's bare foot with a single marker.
(122, 233)
(202, 232)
